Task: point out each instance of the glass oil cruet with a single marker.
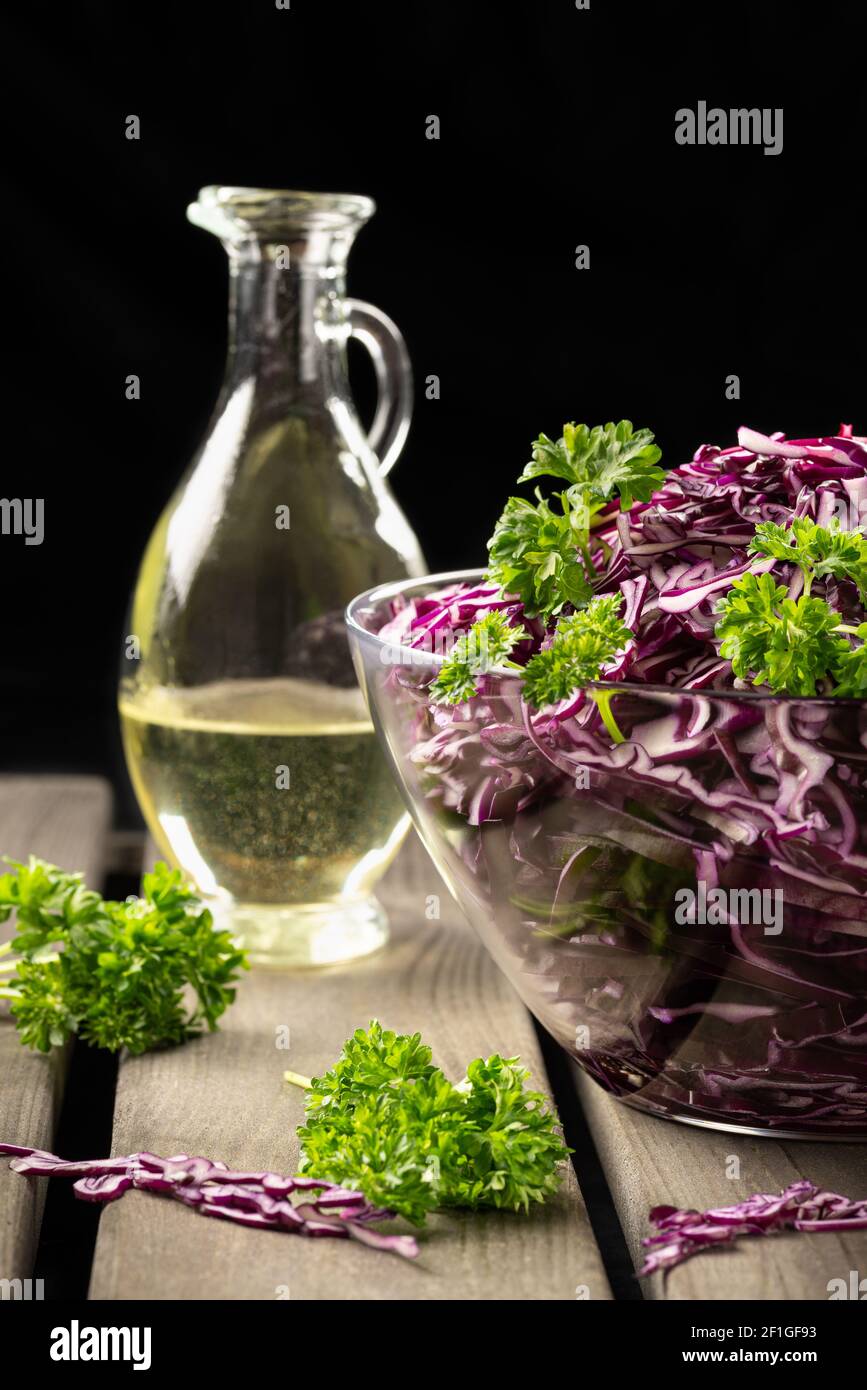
(247, 739)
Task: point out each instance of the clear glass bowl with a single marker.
(684, 911)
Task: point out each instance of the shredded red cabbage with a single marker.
(250, 1199)
(671, 557)
(802, 1207)
(573, 845)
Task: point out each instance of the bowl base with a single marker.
(750, 1131)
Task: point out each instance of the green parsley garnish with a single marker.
(544, 556)
(788, 644)
(850, 668)
(120, 975)
(536, 553)
(487, 643)
(583, 643)
(783, 643)
(820, 552)
(599, 462)
(384, 1120)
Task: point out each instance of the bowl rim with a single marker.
(441, 579)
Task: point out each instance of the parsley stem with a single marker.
(846, 627)
(602, 699)
(588, 561)
(8, 964)
(10, 994)
(7, 946)
(296, 1079)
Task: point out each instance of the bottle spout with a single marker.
(319, 226)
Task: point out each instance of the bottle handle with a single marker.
(384, 341)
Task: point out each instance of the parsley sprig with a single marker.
(794, 645)
(583, 643)
(788, 645)
(850, 668)
(599, 462)
(386, 1121)
(537, 553)
(114, 973)
(543, 555)
(820, 552)
(489, 642)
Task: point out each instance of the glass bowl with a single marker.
(684, 910)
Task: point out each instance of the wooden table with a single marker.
(224, 1096)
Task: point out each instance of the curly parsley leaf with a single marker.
(370, 1060)
(850, 669)
(544, 556)
(819, 551)
(601, 460)
(489, 642)
(583, 643)
(122, 969)
(776, 641)
(534, 554)
(387, 1122)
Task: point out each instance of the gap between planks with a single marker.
(223, 1096)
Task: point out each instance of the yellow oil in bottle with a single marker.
(274, 797)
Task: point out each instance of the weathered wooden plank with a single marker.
(64, 820)
(649, 1161)
(224, 1097)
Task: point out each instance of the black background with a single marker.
(557, 129)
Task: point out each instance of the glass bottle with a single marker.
(247, 739)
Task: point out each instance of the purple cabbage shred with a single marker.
(251, 1199)
(801, 1207)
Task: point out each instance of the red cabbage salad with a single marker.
(655, 690)
(684, 566)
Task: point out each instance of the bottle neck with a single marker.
(282, 312)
